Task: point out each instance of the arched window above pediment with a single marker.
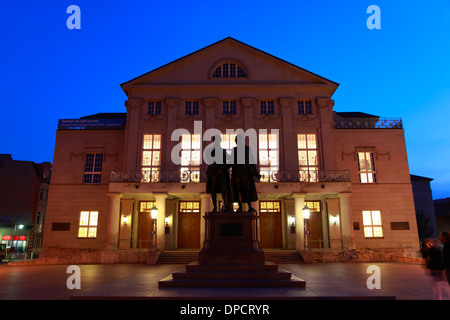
(228, 69)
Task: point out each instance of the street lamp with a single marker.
(306, 215)
(154, 216)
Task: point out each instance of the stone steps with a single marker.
(186, 257)
(283, 257)
(177, 257)
(233, 275)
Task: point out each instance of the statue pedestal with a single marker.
(231, 257)
(231, 238)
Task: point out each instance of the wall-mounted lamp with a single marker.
(334, 219)
(167, 228)
(125, 219)
(292, 223)
(292, 220)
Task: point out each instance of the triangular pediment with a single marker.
(259, 67)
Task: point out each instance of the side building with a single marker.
(23, 201)
(349, 168)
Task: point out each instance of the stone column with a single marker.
(348, 236)
(299, 201)
(206, 206)
(160, 202)
(333, 206)
(132, 133)
(135, 220)
(112, 229)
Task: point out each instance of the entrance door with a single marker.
(189, 225)
(270, 224)
(144, 239)
(315, 223)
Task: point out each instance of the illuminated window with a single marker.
(268, 157)
(151, 157)
(190, 158)
(190, 206)
(154, 107)
(307, 157)
(314, 206)
(372, 224)
(229, 70)
(88, 224)
(269, 206)
(146, 206)
(93, 168)
(235, 205)
(267, 107)
(366, 167)
(304, 107)
(229, 107)
(228, 142)
(191, 107)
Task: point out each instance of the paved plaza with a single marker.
(140, 281)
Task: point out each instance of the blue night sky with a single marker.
(48, 72)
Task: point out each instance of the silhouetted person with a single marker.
(218, 176)
(243, 172)
(433, 251)
(445, 239)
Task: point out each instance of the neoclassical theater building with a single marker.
(349, 168)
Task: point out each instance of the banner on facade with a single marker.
(83, 124)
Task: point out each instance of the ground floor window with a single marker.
(18, 243)
(372, 224)
(88, 224)
(189, 206)
(146, 206)
(314, 206)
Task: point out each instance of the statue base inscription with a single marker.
(231, 238)
(231, 257)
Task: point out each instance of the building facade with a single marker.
(423, 203)
(349, 168)
(23, 200)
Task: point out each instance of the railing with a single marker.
(306, 176)
(199, 176)
(368, 123)
(160, 176)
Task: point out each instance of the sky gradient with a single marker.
(48, 72)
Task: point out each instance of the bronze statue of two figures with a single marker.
(240, 185)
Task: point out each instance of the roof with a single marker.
(109, 115)
(414, 177)
(356, 114)
(238, 42)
